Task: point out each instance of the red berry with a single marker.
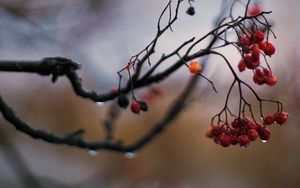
(250, 64)
(251, 125)
(224, 140)
(135, 107)
(245, 40)
(271, 80)
(268, 48)
(259, 76)
(217, 130)
(255, 53)
(281, 117)
(252, 134)
(255, 10)
(234, 140)
(243, 140)
(259, 73)
(241, 66)
(259, 36)
(266, 72)
(258, 80)
(269, 120)
(261, 45)
(235, 123)
(264, 133)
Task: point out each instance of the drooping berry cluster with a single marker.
(244, 130)
(135, 106)
(252, 47)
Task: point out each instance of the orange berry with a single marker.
(195, 68)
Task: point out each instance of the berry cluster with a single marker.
(262, 76)
(244, 130)
(252, 47)
(135, 106)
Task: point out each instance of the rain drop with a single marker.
(93, 153)
(130, 155)
(100, 103)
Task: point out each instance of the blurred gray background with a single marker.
(102, 35)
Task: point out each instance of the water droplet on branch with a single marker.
(93, 153)
(130, 155)
(100, 104)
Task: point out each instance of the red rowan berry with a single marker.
(268, 48)
(194, 67)
(266, 72)
(255, 10)
(251, 125)
(135, 107)
(271, 80)
(258, 80)
(259, 36)
(255, 53)
(252, 134)
(269, 120)
(217, 130)
(281, 117)
(264, 133)
(245, 40)
(243, 140)
(259, 72)
(235, 123)
(250, 64)
(241, 66)
(234, 140)
(260, 45)
(224, 140)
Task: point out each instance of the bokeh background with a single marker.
(102, 35)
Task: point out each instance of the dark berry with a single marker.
(123, 101)
(190, 11)
(143, 105)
